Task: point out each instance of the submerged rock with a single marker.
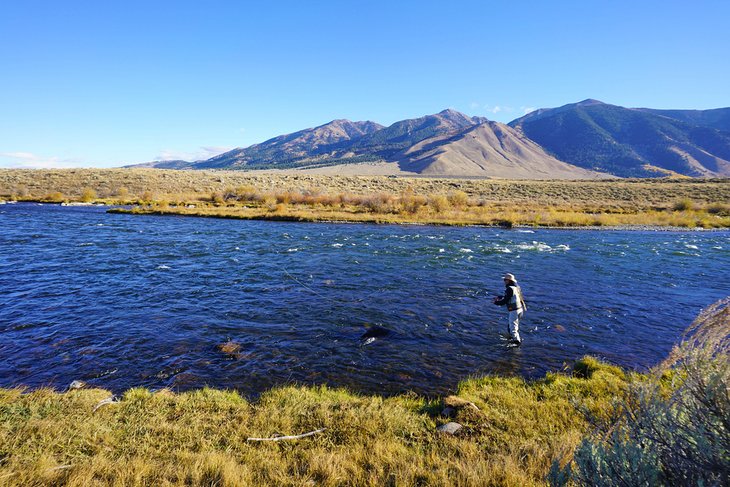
(374, 332)
(230, 348)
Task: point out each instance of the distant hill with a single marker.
(489, 149)
(173, 164)
(629, 142)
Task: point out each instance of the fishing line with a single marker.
(335, 300)
(309, 288)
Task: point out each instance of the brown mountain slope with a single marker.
(285, 150)
(490, 149)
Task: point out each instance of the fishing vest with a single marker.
(515, 302)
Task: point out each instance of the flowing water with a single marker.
(121, 301)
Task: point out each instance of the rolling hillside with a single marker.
(490, 149)
(628, 142)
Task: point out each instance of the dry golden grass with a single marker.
(511, 437)
(665, 202)
(384, 209)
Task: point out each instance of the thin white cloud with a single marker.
(198, 155)
(19, 155)
(28, 160)
(495, 109)
(527, 110)
(474, 105)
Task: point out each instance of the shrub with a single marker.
(218, 198)
(269, 203)
(673, 430)
(411, 203)
(720, 209)
(246, 193)
(683, 205)
(439, 203)
(122, 193)
(285, 197)
(377, 203)
(54, 197)
(458, 199)
(88, 195)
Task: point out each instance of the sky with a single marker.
(103, 84)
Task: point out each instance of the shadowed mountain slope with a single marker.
(627, 142)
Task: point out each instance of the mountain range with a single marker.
(633, 142)
(589, 139)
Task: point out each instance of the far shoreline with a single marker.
(113, 208)
(621, 205)
(296, 219)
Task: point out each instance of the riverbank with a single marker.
(378, 199)
(514, 218)
(511, 433)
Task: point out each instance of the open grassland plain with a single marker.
(593, 425)
(379, 199)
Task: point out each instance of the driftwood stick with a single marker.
(294, 437)
(104, 402)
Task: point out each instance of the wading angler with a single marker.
(516, 306)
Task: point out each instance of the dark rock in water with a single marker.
(230, 348)
(450, 428)
(375, 332)
(448, 412)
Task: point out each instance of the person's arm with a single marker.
(507, 295)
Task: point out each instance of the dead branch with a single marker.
(281, 438)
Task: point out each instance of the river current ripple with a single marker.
(121, 301)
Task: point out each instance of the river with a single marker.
(121, 301)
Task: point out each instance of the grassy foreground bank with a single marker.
(379, 199)
(513, 431)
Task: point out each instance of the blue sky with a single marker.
(103, 84)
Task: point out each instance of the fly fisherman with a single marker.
(515, 305)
